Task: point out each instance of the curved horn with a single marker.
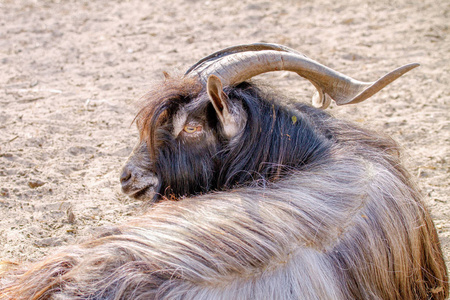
(236, 64)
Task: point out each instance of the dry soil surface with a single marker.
(71, 73)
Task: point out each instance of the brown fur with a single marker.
(171, 90)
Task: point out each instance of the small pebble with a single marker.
(35, 183)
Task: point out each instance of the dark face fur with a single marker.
(194, 141)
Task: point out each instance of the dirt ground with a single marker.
(71, 73)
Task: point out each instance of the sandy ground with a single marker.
(71, 73)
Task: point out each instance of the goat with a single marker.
(275, 202)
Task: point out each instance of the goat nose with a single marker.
(125, 177)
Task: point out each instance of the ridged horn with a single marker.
(236, 64)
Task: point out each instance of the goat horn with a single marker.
(236, 64)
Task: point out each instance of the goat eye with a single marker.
(192, 129)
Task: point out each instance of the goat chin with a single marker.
(311, 235)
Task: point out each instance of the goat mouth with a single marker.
(143, 194)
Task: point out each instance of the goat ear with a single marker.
(221, 104)
(218, 98)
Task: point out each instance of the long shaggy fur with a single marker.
(299, 208)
